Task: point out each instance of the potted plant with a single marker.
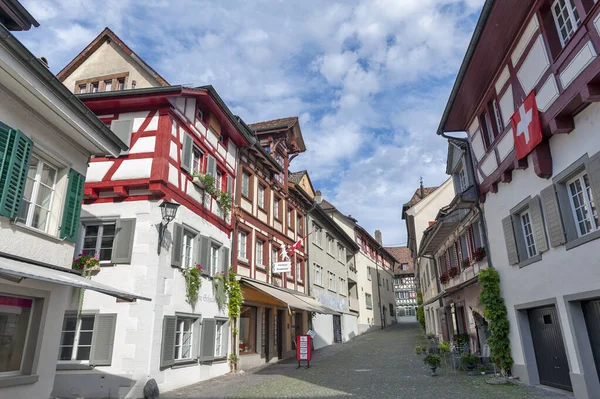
(453, 272)
(193, 282)
(418, 349)
(433, 361)
(481, 369)
(479, 254)
(242, 346)
(469, 360)
(233, 359)
(466, 263)
(86, 264)
(430, 336)
(444, 278)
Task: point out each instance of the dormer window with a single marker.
(94, 87)
(566, 19)
(463, 180)
(82, 89)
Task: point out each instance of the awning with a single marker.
(283, 296)
(15, 268)
(313, 302)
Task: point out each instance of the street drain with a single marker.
(362, 370)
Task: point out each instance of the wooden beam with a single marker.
(120, 191)
(494, 188)
(90, 193)
(521, 163)
(506, 176)
(590, 93)
(542, 160)
(562, 125)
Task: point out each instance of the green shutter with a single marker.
(72, 208)
(15, 150)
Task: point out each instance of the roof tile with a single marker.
(281, 123)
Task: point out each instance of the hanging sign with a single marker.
(303, 349)
(526, 126)
(282, 267)
(311, 333)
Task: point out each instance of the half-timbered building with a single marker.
(527, 95)
(177, 136)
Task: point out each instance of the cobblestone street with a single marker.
(381, 364)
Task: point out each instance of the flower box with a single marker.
(479, 254)
(444, 278)
(453, 272)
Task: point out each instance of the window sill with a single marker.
(330, 255)
(246, 198)
(529, 261)
(317, 245)
(40, 233)
(582, 240)
(18, 380)
(244, 261)
(220, 360)
(318, 285)
(261, 268)
(73, 366)
(184, 363)
(330, 290)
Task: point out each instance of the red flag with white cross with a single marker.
(526, 126)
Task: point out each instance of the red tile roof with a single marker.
(402, 255)
(417, 197)
(281, 123)
(295, 177)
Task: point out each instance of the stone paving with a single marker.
(381, 364)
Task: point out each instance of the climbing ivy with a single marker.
(420, 310)
(234, 293)
(220, 289)
(496, 315)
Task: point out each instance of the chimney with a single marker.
(44, 61)
(378, 237)
(422, 191)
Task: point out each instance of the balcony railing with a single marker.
(463, 274)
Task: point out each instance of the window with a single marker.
(276, 207)
(299, 226)
(83, 89)
(298, 271)
(463, 179)
(341, 253)
(497, 117)
(248, 320)
(566, 19)
(133, 84)
(220, 338)
(199, 114)
(184, 335)
(582, 204)
(318, 275)
(330, 243)
(369, 274)
(187, 250)
(37, 199)
(369, 301)
(245, 184)
(94, 87)
(343, 286)
(274, 255)
(261, 196)
(98, 240)
(214, 259)
(242, 245)
(259, 252)
(331, 281)
(487, 126)
(15, 323)
(108, 85)
(391, 310)
(317, 235)
(76, 338)
(290, 212)
(528, 234)
(197, 158)
(404, 266)
(121, 83)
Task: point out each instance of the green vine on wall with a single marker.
(234, 293)
(420, 310)
(496, 315)
(220, 290)
(193, 282)
(223, 198)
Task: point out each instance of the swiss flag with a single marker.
(526, 126)
(299, 244)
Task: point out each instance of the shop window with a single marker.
(248, 319)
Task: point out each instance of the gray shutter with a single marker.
(211, 166)
(229, 185)
(593, 171)
(123, 130)
(537, 222)
(196, 339)
(225, 259)
(225, 339)
(167, 350)
(176, 245)
(186, 156)
(556, 231)
(204, 257)
(207, 344)
(123, 242)
(509, 237)
(103, 339)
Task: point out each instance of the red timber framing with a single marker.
(508, 21)
(261, 171)
(165, 115)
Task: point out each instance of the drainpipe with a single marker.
(381, 314)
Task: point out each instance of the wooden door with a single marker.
(591, 312)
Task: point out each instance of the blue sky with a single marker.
(368, 78)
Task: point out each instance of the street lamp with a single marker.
(168, 211)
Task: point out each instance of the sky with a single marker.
(369, 79)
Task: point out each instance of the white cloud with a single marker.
(363, 75)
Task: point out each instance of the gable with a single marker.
(306, 186)
(107, 61)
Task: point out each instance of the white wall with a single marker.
(138, 336)
(323, 327)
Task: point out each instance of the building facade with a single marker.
(539, 204)
(183, 146)
(419, 212)
(46, 140)
(405, 286)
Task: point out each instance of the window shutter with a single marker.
(556, 231)
(211, 166)
(176, 247)
(229, 185)
(509, 238)
(15, 150)
(593, 171)
(207, 343)
(225, 339)
(167, 350)
(204, 254)
(186, 156)
(537, 224)
(123, 130)
(196, 339)
(123, 243)
(72, 209)
(225, 260)
(103, 339)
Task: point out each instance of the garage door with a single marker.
(591, 311)
(549, 348)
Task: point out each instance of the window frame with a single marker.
(192, 238)
(573, 17)
(259, 256)
(244, 234)
(317, 235)
(220, 334)
(331, 281)
(368, 298)
(100, 236)
(318, 268)
(193, 326)
(75, 343)
(35, 191)
(276, 208)
(29, 335)
(261, 198)
(527, 231)
(196, 150)
(245, 178)
(589, 204)
(330, 244)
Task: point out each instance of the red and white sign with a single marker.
(526, 126)
(303, 347)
